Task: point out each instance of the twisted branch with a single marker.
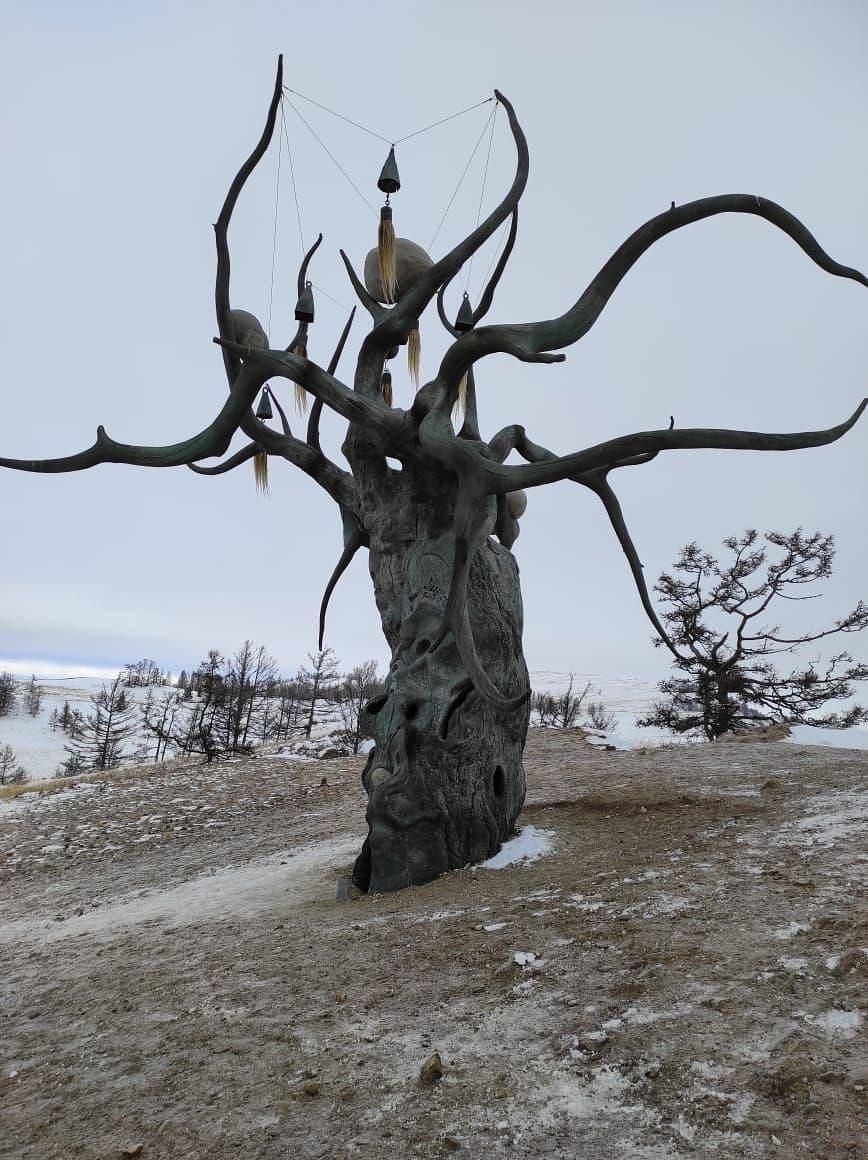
(221, 227)
(528, 341)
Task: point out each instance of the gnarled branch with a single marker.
(439, 440)
(213, 440)
(316, 409)
(527, 341)
(221, 227)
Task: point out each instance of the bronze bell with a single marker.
(464, 321)
(389, 181)
(264, 411)
(304, 306)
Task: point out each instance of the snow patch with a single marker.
(838, 1023)
(527, 846)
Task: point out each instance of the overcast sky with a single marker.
(123, 125)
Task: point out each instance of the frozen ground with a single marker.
(678, 970)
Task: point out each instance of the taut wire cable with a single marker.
(481, 196)
(373, 132)
(274, 233)
(461, 179)
(292, 175)
(332, 156)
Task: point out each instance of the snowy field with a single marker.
(40, 750)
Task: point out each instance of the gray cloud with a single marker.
(131, 119)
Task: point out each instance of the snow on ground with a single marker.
(40, 750)
(527, 846)
(282, 879)
(854, 738)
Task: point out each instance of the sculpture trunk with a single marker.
(445, 780)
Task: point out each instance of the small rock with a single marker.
(770, 784)
(343, 890)
(312, 1088)
(432, 1070)
(451, 1144)
(133, 1150)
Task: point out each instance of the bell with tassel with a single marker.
(386, 387)
(389, 182)
(304, 313)
(264, 411)
(464, 320)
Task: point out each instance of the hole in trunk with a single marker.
(411, 710)
(373, 707)
(498, 781)
(422, 645)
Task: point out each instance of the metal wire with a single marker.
(481, 196)
(443, 120)
(379, 136)
(274, 233)
(292, 175)
(340, 116)
(332, 156)
(461, 179)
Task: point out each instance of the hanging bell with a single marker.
(389, 181)
(464, 321)
(264, 411)
(304, 306)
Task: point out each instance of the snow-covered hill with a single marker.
(40, 750)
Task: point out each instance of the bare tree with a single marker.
(358, 688)
(159, 715)
(715, 616)
(445, 780)
(322, 673)
(560, 711)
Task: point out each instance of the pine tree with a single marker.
(8, 694)
(11, 773)
(715, 616)
(100, 739)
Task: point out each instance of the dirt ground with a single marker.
(177, 978)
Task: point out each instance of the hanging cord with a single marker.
(332, 156)
(292, 175)
(274, 232)
(481, 197)
(461, 178)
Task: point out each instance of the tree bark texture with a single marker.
(445, 780)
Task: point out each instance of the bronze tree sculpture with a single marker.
(445, 780)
